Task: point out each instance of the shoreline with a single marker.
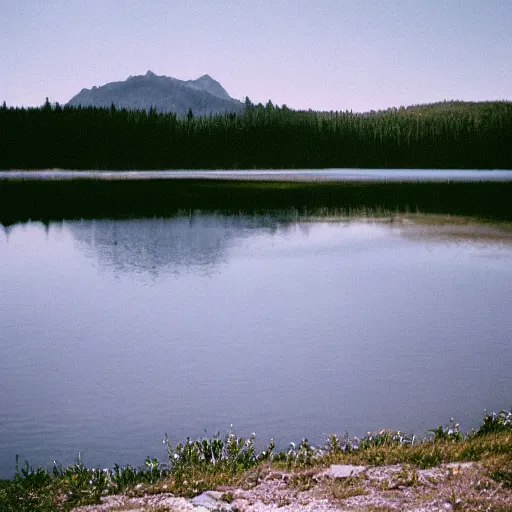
(58, 199)
(384, 471)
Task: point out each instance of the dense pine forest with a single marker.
(448, 135)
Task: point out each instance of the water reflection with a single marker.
(193, 242)
(458, 229)
(49, 200)
(152, 245)
(200, 242)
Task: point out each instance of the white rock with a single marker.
(343, 471)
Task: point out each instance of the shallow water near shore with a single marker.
(115, 331)
(343, 175)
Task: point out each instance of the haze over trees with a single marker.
(445, 135)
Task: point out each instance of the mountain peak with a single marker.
(205, 96)
(208, 84)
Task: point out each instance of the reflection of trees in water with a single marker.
(197, 241)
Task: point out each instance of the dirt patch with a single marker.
(464, 486)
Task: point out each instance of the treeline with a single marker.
(450, 135)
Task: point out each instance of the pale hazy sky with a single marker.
(319, 54)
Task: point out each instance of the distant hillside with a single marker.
(204, 96)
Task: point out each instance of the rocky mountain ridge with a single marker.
(204, 96)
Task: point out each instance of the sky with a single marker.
(355, 55)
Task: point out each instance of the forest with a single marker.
(447, 135)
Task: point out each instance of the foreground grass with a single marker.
(210, 463)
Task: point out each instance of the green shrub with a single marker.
(450, 432)
(495, 423)
(231, 454)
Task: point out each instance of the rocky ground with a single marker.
(456, 486)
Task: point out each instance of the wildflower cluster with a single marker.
(232, 453)
(496, 422)
(450, 432)
(385, 437)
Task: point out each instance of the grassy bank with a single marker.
(54, 200)
(207, 463)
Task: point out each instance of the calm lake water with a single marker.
(117, 331)
(285, 174)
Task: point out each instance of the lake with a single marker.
(288, 322)
(283, 174)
